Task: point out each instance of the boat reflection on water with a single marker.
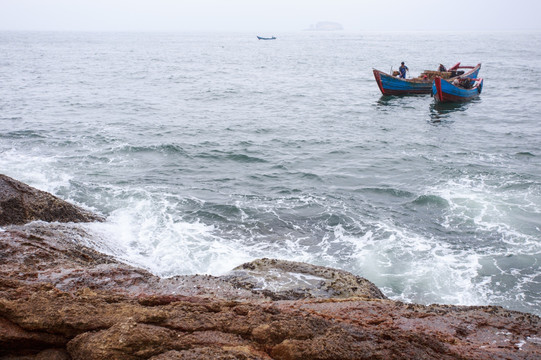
(442, 111)
(385, 100)
(438, 112)
(402, 101)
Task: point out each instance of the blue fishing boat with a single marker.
(266, 38)
(458, 90)
(394, 85)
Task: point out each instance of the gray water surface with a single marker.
(207, 150)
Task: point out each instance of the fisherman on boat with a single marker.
(464, 83)
(403, 68)
(442, 68)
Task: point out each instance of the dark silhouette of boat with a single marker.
(266, 38)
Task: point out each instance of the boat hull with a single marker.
(391, 85)
(444, 91)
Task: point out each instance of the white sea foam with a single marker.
(150, 232)
(411, 267)
(478, 201)
(36, 170)
(497, 234)
(153, 239)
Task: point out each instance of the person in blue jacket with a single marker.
(403, 68)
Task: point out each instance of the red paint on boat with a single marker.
(378, 80)
(454, 67)
(439, 95)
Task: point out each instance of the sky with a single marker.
(269, 15)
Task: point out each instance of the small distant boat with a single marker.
(458, 90)
(393, 85)
(266, 38)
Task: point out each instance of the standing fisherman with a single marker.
(403, 68)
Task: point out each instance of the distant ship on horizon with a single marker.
(326, 26)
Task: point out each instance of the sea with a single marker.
(208, 150)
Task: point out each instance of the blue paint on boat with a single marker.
(392, 85)
(446, 91)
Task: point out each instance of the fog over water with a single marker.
(278, 15)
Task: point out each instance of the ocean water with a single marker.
(208, 150)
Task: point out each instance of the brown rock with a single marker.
(53, 354)
(53, 253)
(62, 300)
(49, 354)
(16, 338)
(20, 204)
(124, 340)
(102, 327)
(290, 280)
(214, 353)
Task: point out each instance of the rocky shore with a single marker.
(60, 299)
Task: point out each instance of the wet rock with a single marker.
(92, 325)
(60, 299)
(49, 354)
(20, 204)
(289, 280)
(124, 340)
(227, 353)
(13, 336)
(53, 253)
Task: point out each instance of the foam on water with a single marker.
(413, 268)
(35, 169)
(503, 235)
(210, 157)
(146, 234)
(478, 203)
(147, 229)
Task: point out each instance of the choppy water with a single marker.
(205, 151)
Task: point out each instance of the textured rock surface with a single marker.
(62, 300)
(100, 325)
(20, 204)
(52, 253)
(287, 280)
